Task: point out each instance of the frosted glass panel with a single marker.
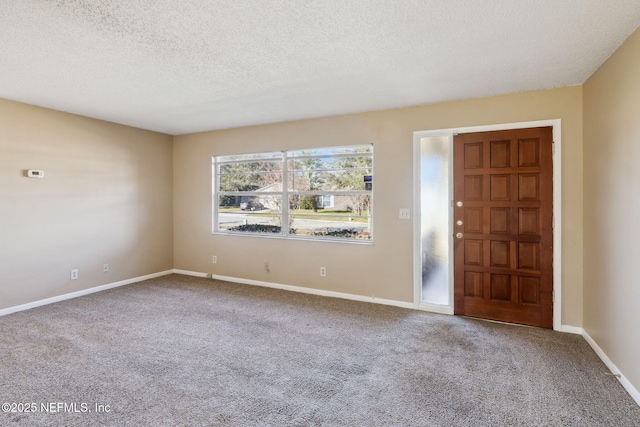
(434, 204)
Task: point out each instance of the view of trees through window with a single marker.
(322, 193)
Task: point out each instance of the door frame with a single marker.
(556, 124)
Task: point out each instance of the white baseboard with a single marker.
(300, 289)
(605, 359)
(190, 273)
(571, 329)
(76, 294)
(435, 308)
(635, 394)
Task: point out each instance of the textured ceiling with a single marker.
(193, 65)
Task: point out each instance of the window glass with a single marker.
(253, 214)
(329, 193)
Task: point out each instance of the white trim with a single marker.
(557, 203)
(190, 273)
(417, 225)
(83, 292)
(571, 329)
(300, 289)
(633, 392)
(434, 308)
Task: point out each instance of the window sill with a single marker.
(293, 237)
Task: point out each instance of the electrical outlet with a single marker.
(266, 266)
(105, 268)
(404, 213)
(323, 271)
(74, 274)
(214, 259)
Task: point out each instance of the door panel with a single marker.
(503, 249)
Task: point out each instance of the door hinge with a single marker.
(553, 222)
(553, 296)
(553, 148)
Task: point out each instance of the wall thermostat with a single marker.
(33, 173)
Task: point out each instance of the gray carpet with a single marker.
(180, 350)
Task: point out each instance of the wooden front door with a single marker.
(503, 226)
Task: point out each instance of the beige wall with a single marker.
(106, 198)
(383, 270)
(611, 206)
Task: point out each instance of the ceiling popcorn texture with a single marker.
(195, 65)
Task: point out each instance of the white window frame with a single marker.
(285, 192)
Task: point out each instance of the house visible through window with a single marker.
(325, 201)
(307, 194)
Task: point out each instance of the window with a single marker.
(322, 193)
(324, 201)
